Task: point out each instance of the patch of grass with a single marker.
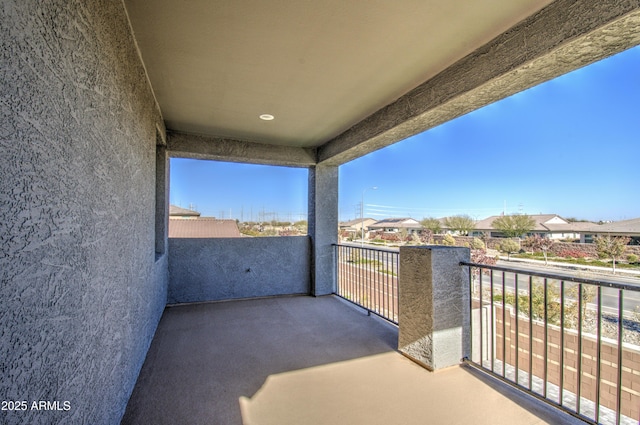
(578, 261)
(534, 256)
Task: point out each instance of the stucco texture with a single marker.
(434, 305)
(231, 268)
(81, 291)
(323, 222)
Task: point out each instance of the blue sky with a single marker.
(570, 146)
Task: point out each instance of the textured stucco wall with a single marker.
(81, 291)
(323, 226)
(433, 301)
(230, 268)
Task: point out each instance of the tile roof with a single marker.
(183, 212)
(357, 221)
(628, 227)
(623, 226)
(203, 227)
(540, 220)
(576, 227)
(397, 223)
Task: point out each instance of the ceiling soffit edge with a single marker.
(187, 145)
(538, 49)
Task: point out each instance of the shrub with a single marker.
(476, 243)
(632, 258)
(448, 240)
(480, 256)
(572, 253)
(509, 246)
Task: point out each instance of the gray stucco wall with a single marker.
(230, 268)
(323, 226)
(81, 291)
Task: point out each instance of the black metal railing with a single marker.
(368, 277)
(569, 341)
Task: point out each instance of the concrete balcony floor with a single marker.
(305, 360)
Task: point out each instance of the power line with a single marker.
(397, 208)
(394, 211)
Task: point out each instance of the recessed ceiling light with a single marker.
(266, 117)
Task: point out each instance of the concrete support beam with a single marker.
(323, 226)
(564, 36)
(434, 305)
(183, 145)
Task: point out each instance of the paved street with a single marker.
(366, 285)
(356, 279)
(610, 296)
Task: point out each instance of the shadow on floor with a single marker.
(304, 360)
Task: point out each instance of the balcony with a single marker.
(305, 360)
(95, 100)
(284, 359)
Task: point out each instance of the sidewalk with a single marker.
(594, 269)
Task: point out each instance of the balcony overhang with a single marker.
(182, 145)
(342, 80)
(538, 49)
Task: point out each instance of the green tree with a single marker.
(538, 243)
(432, 224)
(462, 224)
(509, 246)
(612, 247)
(515, 225)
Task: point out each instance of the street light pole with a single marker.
(362, 214)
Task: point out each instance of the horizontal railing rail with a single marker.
(368, 277)
(569, 341)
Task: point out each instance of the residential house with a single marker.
(354, 227)
(629, 228)
(187, 223)
(357, 224)
(397, 225)
(96, 98)
(546, 225)
(182, 213)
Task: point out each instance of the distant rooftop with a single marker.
(356, 221)
(203, 227)
(623, 226)
(175, 211)
(405, 222)
(543, 222)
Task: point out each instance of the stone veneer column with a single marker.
(434, 305)
(323, 226)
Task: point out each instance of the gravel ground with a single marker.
(630, 327)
